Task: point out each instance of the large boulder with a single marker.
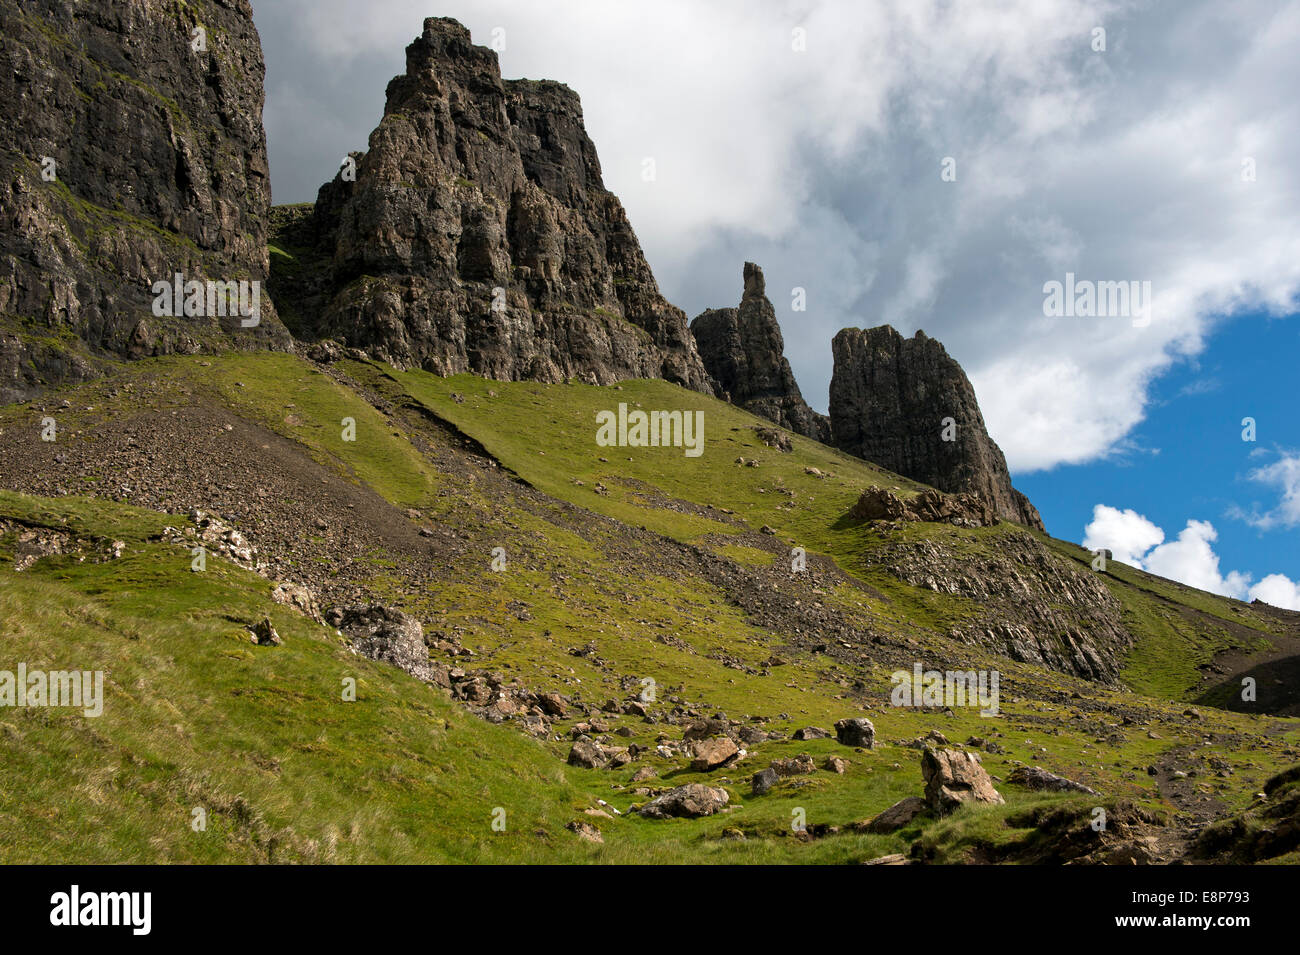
(856, 731)
(954, 777)
(691, 801)
(712, 753)
(385, 634)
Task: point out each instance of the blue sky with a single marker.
(1187, 460)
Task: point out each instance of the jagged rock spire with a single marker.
(478, 236)
(744, 352)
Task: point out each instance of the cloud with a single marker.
(824, 167)
(1284, 474)
(1189, 558)
(1126, 534)
(1277, 590)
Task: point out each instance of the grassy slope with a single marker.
(552, 442)
(200, 717)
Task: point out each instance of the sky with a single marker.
(936, 165)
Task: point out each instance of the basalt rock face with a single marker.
(743, 350)
(889, 398)
(127, 156)
(477, 236)
(1024, 601)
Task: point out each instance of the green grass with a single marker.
(260, 738)
(302, 403)
(198, 716)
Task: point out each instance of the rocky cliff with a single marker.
(906, 405)
(1026, 602)
(132, 151)
(477, 235)
(743, 350)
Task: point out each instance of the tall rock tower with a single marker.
(477, 235)
(891, 401)
(743, 350)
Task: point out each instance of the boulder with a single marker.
(800, 765)
(390, 636)
(1032, 777)
(856, 731)
(299, 598)
(264, 633)
(896, 816)
(588, 754)
(552, 704)
(585, 831)
(811, 732)
(712, 753)
(703, 729)
(953, 777)
(691, 801)
(764, 780)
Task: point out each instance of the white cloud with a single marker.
(1189, 559)
(824, 167)
(1277, 590)
(1284, 474)
(1126, 534)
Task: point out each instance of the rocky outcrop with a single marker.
(905, 405)
(476, 235)
(743, 350)
(1020, 600)
(387, 635)
(960, 510)
(132, 151)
